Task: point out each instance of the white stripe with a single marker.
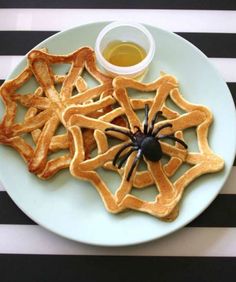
(226, 66)
(174, 20)
(8, 63)
(186, 242)
(2, 188)
(229, 187)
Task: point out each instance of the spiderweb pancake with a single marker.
(44, 107)
(168, 192)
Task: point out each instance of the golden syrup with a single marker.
(124, 54)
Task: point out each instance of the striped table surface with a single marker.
(205, 250)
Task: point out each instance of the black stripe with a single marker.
(123, 4)
(10, 213)
(232, 88)
(58, 268)
(218, 45)
(21, 42)
(212, 44)
(221, 213)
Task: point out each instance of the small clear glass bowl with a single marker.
(125, 32)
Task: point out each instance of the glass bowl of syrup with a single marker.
(125, 49)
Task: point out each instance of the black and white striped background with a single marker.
(205, 250)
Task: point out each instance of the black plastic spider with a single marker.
(146, 143)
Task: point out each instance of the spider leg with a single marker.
(172, 137)
(120, 151)
(138, 157)
(156, 131)
(126, 156)
(127, 133)
(158, 113)
(145, 127)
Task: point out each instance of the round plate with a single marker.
(73, 208)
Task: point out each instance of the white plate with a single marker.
(72, 208)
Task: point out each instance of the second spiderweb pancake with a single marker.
(169, 194)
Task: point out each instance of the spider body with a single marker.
(146, 142)
(151, 149)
